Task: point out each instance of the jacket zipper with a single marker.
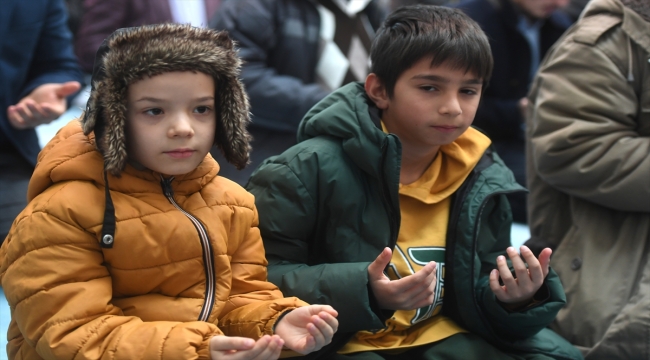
(454, 221)
(394, 221)
(208, 265)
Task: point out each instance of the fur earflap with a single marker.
(131, 54)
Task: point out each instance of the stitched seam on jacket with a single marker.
(142, 216)
(91, 332)
(157, 266)
(162, 345)
(54, 287)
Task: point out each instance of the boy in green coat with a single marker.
(392, 209)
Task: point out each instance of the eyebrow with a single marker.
(445, 80)
(155, 100)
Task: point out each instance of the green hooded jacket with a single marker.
(329, 205)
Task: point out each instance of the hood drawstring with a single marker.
(630, 76)
(108, 226)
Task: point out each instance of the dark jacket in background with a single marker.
(101, 17)
(329, 205)
(499, 113)
(35, 49)
(278, 41)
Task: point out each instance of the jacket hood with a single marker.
(131, 54)
(349, 115)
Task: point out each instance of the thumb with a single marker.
(68, 88)
(376, 268)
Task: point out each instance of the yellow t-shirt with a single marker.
(424, 206)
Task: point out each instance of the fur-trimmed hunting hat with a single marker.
(131, 54)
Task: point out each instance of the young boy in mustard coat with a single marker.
(132, 246)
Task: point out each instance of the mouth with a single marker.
(180, 153)
(445, 129)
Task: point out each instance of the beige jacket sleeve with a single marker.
(583, 129)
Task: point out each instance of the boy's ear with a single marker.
(376, 91)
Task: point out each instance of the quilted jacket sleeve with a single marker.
(517, 324)
(291, 216)
(254, 304)
(59, 292)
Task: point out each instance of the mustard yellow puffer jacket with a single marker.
(142, 298)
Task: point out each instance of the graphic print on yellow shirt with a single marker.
(424, 207)
(405, 263)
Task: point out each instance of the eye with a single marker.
(153, 112)
(469, 91)
(428, 88)
(202, 109)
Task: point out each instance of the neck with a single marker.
(415, 162)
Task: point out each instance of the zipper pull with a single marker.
(167, 186)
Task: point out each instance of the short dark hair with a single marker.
(413, 32)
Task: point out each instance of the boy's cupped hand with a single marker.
(308, 328)
(408, 293)
(519, 291)
(302, 330)
(241, 348)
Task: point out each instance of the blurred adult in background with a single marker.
(589, 176)
(75, 12)
(295, 53)
(394, 4)
(101, 17)
(520, 33)
(575, 7)
(38, 71)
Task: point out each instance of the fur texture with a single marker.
(131, 54)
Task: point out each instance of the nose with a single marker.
(451, 106)
(181, 126)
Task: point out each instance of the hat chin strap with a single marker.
(108, 225)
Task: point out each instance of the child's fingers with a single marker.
(506, 276)
(519, 266)
(331, 321)
(534, 268)
(497, 289)
(324, 328)
(376, 268)
(272, 351)
(422, 278)
(320, 339)
(324, 308)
